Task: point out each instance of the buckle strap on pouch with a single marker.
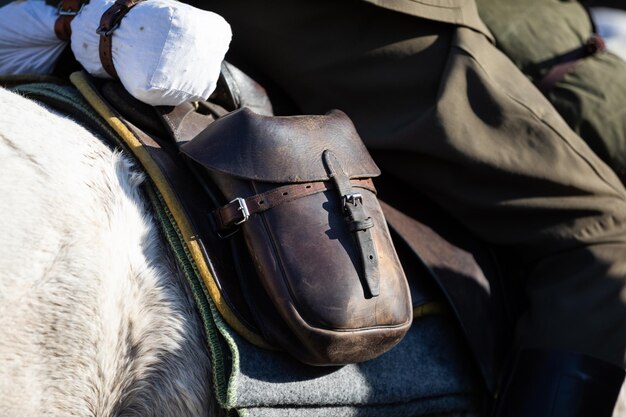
(240, 209)
(359, 223)
(109, 22)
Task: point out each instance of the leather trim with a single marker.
(235, 89)
(359, 224)
(106, 56)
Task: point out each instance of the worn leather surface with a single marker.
(304, 253)
(290, 150)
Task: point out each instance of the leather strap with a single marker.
(184, 122)
(569, 62)
(66, 11)
(238, 210)
(359, 223)
(109, 22)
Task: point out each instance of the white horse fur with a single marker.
(95, 320)
(93, 317)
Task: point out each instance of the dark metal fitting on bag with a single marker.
(243, 208)
(231, 228)
(353, 199)
(355, 212)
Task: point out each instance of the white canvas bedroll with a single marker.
(165, 52)
(28, 44)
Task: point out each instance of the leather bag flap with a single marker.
(280, 149)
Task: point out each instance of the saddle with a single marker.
(230, 144)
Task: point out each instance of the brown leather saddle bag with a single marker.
(300, 190)
(225, 271)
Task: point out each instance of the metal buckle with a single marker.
(243, 208)
(120, 11)
(107, 32)
(352, 199)
(68, 12)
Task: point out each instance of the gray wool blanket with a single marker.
(428, 373)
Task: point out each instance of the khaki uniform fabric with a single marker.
(446, 111)
(592, 98)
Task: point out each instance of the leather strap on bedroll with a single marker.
(109, 22)
(66, 11)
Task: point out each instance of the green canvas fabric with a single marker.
(592, 98)
(532, 31)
